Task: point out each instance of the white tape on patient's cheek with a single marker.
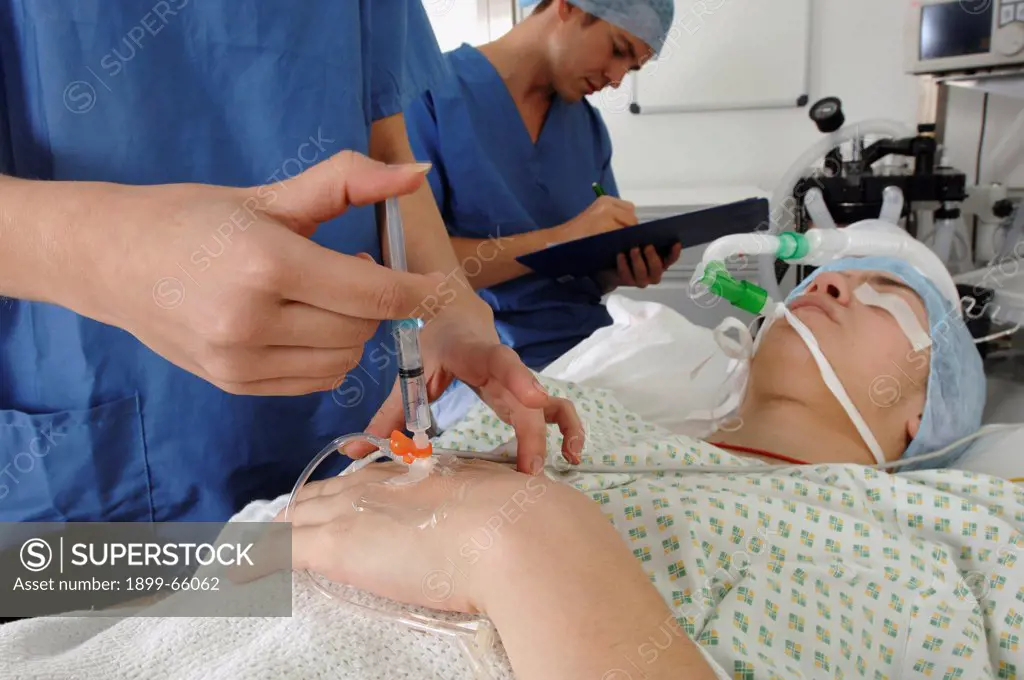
(901, 311)
(835, 386)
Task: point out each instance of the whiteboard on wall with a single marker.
(729, 54)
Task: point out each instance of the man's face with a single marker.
(872, 356)
(589, 55)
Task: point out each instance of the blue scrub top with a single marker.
(490, 179)
(93, 424)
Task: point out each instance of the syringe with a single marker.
(407, 337)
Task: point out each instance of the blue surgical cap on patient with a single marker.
(956, 377)
(649, 20)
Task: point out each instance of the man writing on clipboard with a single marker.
(518, 156)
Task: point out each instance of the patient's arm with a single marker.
(537, 557)
(570, 601)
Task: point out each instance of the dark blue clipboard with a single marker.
(590, 255)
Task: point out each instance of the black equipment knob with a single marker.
(1002, 208)
(828, 115)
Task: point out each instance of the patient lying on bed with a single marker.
(830, 569)
(561, 566)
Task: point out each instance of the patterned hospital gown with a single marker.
(835, 571)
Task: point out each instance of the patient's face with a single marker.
(881, 372)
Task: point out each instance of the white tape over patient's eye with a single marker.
(901, 311)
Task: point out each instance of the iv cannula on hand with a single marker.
(407, 337)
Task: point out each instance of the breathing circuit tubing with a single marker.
(782, 216)
(816, 247)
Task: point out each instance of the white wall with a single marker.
(964, 131)
(857, 55)
(468, 21)
(456, 22)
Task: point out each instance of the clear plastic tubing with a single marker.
(726, 247)
(945, 229)
(819, 246)
(814, 201)
(892, 205)
(782, 217)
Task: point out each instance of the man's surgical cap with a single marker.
(649, 20)
(956, 377)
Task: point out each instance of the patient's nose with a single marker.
(833, 284)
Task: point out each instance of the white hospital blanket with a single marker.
(833, 571)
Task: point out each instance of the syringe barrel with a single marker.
(410, 374)
(407, 337)
(415, 403)
(395, 245)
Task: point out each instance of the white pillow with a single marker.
(645, 358)
(1000, 454)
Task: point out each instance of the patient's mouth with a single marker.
(813, 304)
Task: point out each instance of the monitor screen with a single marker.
(956, 29)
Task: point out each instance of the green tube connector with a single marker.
(742, 294)
(792, 246)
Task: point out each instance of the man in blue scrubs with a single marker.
(516, 150)
(190, 253)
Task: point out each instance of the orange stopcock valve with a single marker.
(406, 448)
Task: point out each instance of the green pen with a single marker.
(598, 189)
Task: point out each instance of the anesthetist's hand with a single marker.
(225, 282)
(461, 343)
(639, 270)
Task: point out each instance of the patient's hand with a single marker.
(537, 557)
(435, 543)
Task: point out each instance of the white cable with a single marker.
(743, 469)
(566, 467)
(997, 336)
